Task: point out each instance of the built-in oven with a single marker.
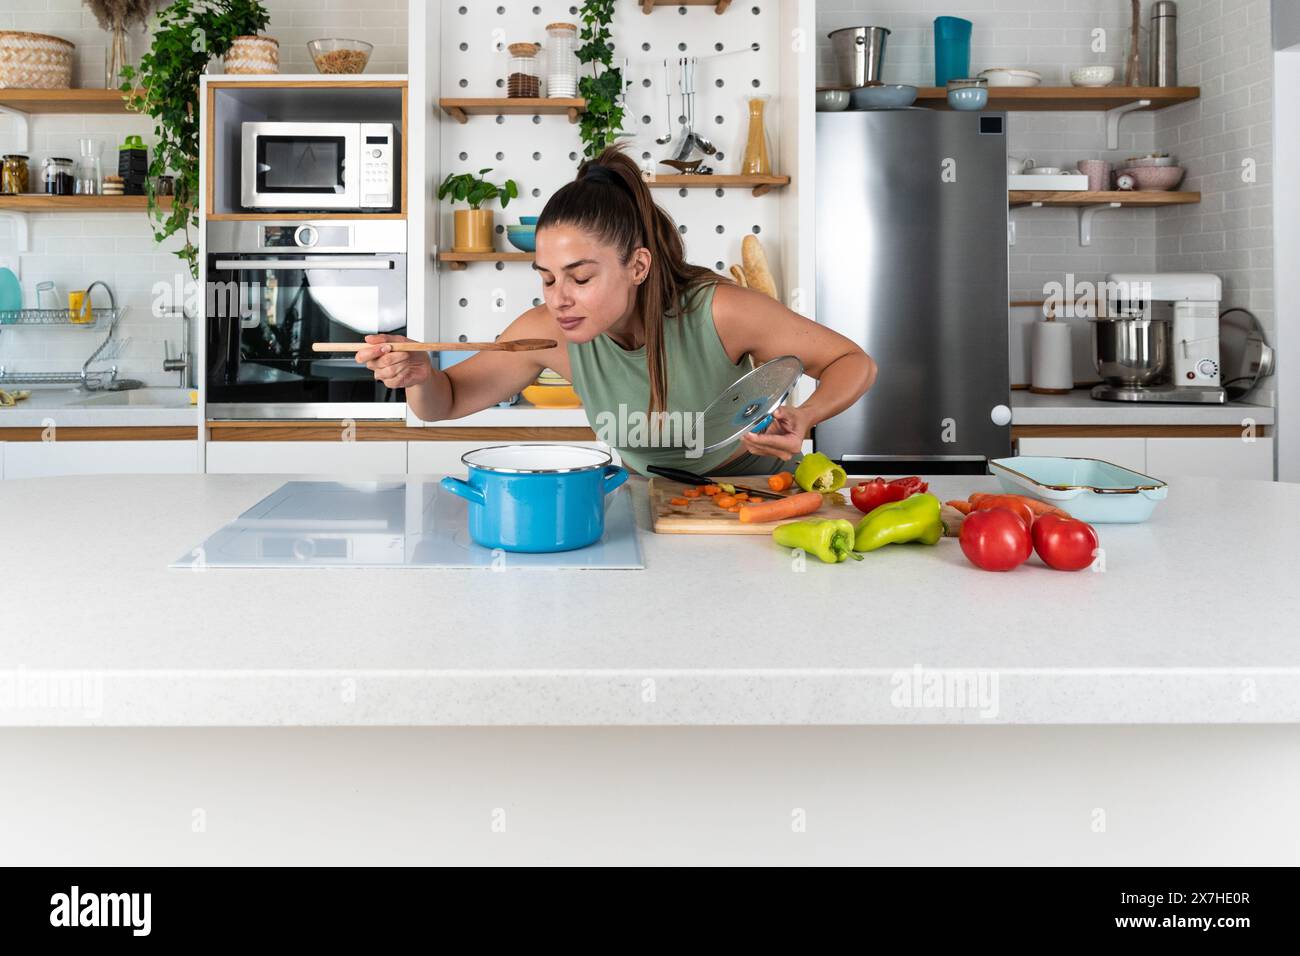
(314, 167)
(273, 289)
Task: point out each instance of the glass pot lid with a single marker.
(750, 400)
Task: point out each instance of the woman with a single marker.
(638, 330)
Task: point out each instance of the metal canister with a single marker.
(1164, 44)
(859, 52)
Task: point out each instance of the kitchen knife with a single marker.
(512, 345)
(686, 478)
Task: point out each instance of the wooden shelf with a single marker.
(457, 261)
(1077, 98)
(1046, 197)
(719, 6)
(39, 202)
(759, 184)
(462, 109)
(64, 101)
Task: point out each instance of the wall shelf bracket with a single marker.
(1113, 116)
(1085, 220)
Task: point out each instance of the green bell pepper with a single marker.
(912, 519)
(818, 473)
(830, 539)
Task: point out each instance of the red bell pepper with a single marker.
(867, 496)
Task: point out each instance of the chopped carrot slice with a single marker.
(725, 501)
(780, 481)
(691, 493)
(711, 490)
(680, 501)
(734, 509)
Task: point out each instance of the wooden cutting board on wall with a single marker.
(702, 516)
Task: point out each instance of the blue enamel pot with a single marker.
(536, 498)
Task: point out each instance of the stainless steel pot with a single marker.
(1131, 351)
(859, 52)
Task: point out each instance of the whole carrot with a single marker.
(804, 503)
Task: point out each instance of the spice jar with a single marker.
(56, 176)
(523, 81)
(13, 174)
(561, 61)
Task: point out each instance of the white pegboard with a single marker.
(542, 153)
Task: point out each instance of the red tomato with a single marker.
(995, 540)
(1063, 543)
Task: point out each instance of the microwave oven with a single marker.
(317, 167)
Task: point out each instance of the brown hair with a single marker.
(611, 200)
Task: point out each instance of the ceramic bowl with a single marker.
(1159, 178)
(552, 396)
(1095, 75)
(968, 98)
(886, 96)
(1150, 161)
(1006, 76)
(832, 101)
(523, 238)
(528, 220)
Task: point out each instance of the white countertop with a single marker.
(1080, 408)
(75, 407)
(1192, 622)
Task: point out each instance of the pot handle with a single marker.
(614, 476)
(462, 489)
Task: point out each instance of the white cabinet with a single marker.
(1126, 452)
(443, 457)
(1210, 458)
(2, 461)
(353, 458)
(1167, 458)
(43, 459)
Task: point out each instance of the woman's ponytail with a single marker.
(610, 200)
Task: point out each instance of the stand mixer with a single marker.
(1159, 341)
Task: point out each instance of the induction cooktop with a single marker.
(411, 523)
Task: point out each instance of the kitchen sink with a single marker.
(136, 397)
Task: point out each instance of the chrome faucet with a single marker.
(181, 363)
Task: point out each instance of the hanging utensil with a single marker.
(701, 143)
(668, 91)
(512, 345)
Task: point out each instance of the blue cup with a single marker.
(951, 49)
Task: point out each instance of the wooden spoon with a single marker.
(513, 345)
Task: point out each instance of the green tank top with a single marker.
(614, 385)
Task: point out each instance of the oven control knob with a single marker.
(306, 236)
(376, 153)
(1001, 415)
(1207, 368)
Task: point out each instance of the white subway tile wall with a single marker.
(1225, 141)
(74, 250)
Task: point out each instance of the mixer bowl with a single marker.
(1131, 352)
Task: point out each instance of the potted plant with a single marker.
(474, 226)
(603, 90)
(187, 34)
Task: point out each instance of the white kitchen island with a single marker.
(718, 705)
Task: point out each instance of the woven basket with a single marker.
(34, 61)
(253, 54)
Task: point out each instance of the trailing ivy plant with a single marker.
(187, 34)
(603, 90)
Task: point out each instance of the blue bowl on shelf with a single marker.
(523, 238)
(528, 220)
(968, 98)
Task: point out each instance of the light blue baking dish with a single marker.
(1089, 489)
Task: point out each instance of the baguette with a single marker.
(757, 274)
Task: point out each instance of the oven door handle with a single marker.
(374, 265)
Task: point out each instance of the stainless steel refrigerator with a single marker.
(912, 265)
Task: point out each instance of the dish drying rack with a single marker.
(108, 350)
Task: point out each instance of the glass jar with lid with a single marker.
(524, 80)
(14, 175)
(56, 176)
(562, 60)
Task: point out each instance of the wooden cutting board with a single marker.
(702, 516)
